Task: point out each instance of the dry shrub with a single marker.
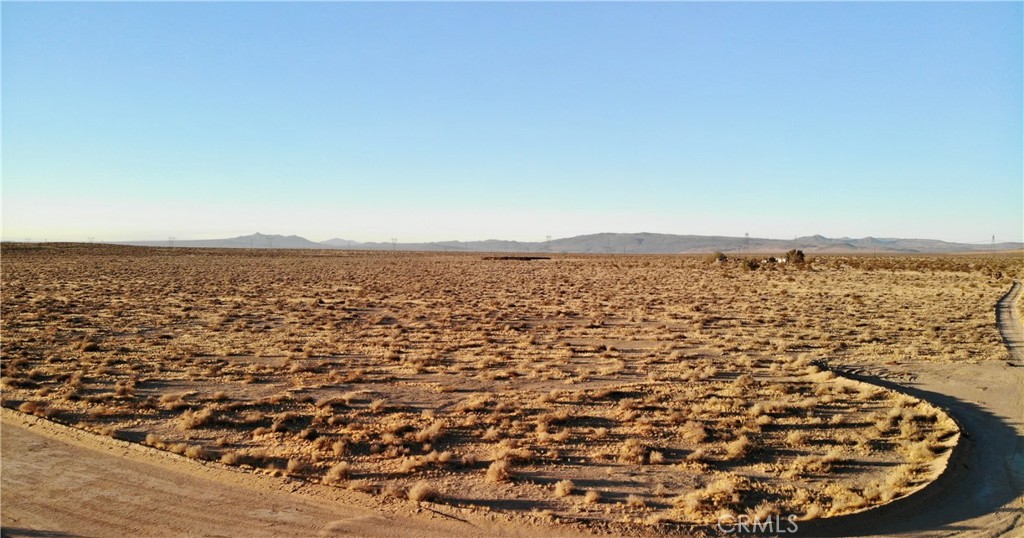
(635, 501)
(700, 454)
(193, 419)
(564, 488)
(796, 438)
(632, 451)
(844, 500)
(438, 457)
(722, 494)
(412, 464)
(509, 449)
(197, 452)
(591, 497)
(124, 388)
(476, 402)
(693, 432)
(295, 466)
(430, 433)
(338, 472)
(422, 491)
(155, 440)
(738, 448)
(499, 471)
(177, 448)
(765, 510)
(922, 452)
(34, 408)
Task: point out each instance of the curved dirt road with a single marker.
(981, 494)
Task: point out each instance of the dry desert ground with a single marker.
(170, 392)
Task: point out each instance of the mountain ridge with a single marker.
(612, 243)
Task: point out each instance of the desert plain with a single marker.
(171, 391)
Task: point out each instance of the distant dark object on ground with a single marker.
(716, 257)
(517, 258)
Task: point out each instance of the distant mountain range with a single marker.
(612, 243)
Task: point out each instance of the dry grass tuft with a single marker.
(422, 491)
(338, 472)
(499, 471)
(564, 488)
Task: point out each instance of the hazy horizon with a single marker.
(176, 240)
(474, 121)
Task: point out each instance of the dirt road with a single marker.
(1010, 325)
(981, 495)
(59, 481)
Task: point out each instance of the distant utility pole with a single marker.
(92, 239)
(746, 242)
(170, 241)
(270, 242)
(993, 241)
(394, 243)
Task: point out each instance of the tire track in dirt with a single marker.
(981, 493)
(1010, 325)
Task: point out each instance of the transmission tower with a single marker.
(394, 243)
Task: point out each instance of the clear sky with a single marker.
(512, 120)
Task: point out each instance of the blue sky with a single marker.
(512, 120)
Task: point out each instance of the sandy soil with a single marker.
(60, 481)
